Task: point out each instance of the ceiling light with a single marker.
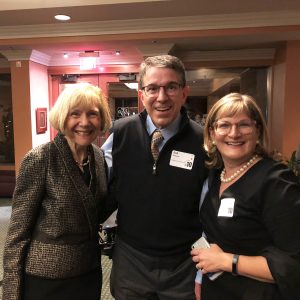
(132, 85)
(62, 17)
(88, 59)
(66, 55)
(118, 52)
(88, 63)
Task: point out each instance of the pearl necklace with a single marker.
(238, 172)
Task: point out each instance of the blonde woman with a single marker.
(52, 249)
(250, 214)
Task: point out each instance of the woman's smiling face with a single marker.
(235, 137)
(83, 125)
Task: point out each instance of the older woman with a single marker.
(52, 249)
(251, 211)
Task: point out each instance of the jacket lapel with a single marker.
(84, 192)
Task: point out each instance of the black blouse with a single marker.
(265, 222)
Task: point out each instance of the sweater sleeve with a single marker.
(281, 215)
(26, 204)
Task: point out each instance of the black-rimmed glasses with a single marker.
(171, 89)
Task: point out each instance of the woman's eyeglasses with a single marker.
(244, 127)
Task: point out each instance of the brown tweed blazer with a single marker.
(53, 231)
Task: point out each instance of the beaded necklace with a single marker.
(238, 172)
(83, 164)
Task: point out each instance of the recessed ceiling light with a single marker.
(118, 52)
(66, 55)
(62, 17)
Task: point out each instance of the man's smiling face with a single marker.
(162, 108)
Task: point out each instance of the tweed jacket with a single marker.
(53, 232)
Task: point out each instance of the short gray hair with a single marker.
(162, 61)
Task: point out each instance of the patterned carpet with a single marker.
(106, 266)
(5, 211)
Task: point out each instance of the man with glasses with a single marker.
(157, 194)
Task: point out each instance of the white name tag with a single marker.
(182, 160)
(226, 208)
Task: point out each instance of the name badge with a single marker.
(226, 208)
(182, 160)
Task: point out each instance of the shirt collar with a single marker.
(168, 131)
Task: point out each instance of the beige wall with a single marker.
(39, 98)
(291, 128)
(285, 104)
(276, 108)
(29, 90)
(21, 109)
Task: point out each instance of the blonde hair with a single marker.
(79, 95)
(229, 106)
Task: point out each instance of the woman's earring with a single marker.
(214, 143)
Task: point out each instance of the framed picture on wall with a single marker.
(41, 120)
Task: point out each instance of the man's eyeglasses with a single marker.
(171, 89)
(244, 127)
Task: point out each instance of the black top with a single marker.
(266, 222)
(85, 172)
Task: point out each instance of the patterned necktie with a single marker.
(156, 140)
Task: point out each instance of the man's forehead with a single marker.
(156, 74)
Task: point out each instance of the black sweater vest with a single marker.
(158, 214)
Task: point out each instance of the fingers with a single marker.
(195, 252)
(201, 268)
(195, 259)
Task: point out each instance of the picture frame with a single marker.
(41, 120)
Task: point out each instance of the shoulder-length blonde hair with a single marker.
(79, 95)
(228, 106)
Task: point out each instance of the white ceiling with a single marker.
(187, 28)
